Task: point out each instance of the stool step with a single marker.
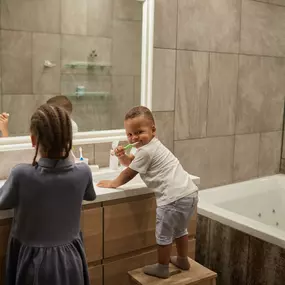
(198, 275)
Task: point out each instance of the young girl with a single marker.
(45, 245)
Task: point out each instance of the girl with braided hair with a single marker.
(45, 244)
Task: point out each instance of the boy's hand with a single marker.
(4, 119)
(120, 152)
(106, 184)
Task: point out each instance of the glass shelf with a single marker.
(87, 65)
(78, 95)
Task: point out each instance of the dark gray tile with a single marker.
(203, 240)
(228, 254)
(266, 263)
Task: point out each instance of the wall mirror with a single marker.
(96, 53)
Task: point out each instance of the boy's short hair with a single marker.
(140, 111)
(61, 101)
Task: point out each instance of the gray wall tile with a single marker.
(164, 79)
(99, 18)
(209, 158)
(16, 61)
(269, 153)
(263, 29)
(165, 128)
(19, 121)
(222, 94)
(165, 26)
(246, 156)
(128, 10)
(25, 15)
(191, 94)
(261, 94)
(46, 80)
(74, 17)
(209, 25)
(126, 53)
(122, 99)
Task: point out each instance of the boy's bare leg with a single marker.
(181, 260)
(160, 269)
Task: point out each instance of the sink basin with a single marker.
(108, 174)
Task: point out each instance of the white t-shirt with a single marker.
(74, 127)
(161, 171)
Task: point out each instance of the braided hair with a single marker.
(52, 128)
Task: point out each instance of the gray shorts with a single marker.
(173, 219)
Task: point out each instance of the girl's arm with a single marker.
(9, 193)
(89, 194)
(124, 177)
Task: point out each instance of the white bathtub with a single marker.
(255, 207)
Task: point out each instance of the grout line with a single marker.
(268, 3)
(240, 26)
(208, 95)
(175, 77)
(235, 115)
(225, 136)
(221, 52)
(282, 138)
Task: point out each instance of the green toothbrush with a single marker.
(130, 145)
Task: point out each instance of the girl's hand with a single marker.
(120, 152)
(106, 184)
(4, 119)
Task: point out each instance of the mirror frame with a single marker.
(93, 137)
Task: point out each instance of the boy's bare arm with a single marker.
(126, 160)
(124, 177)
(123, 157)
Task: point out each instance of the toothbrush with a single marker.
(126, 147)
(130, 145)
(80, 152)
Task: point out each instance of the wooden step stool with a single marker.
(198, 275)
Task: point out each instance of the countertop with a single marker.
(135, 187)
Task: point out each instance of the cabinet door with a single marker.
(96, 275)
(4, 235)
(92, 228)
(129, 226)
(116, 272)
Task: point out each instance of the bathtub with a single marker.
(255, 207)
(241, 231)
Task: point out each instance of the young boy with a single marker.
(176, 194)
(64, 102)
(4, 119)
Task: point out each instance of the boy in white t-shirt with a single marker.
(176, 194)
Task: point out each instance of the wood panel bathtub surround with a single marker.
(116, 271)
(129, 226)
(228, 251)
(92, 229)
(239, 259)
(203, 236)
(266, 263)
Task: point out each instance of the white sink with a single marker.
(108, 174)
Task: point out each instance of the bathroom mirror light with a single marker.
(81, 138)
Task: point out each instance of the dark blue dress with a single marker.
(45, 245)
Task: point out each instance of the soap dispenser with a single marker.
(113, 160)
